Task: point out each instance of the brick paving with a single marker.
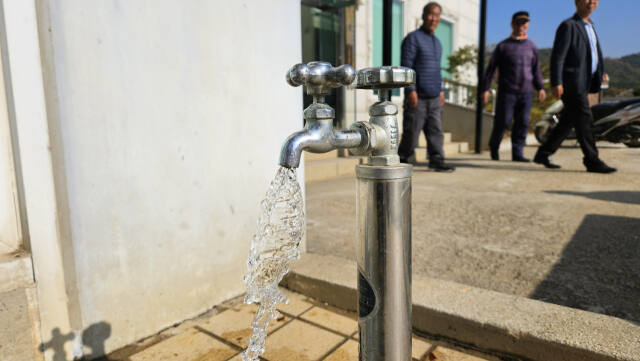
(306, 331)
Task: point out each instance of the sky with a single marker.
(616, 21)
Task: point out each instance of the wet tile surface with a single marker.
(331, 320)
(347, 352)
(190, 345)
(297, 304)
(419, 348)
(237, 357)
(308, 331)
(300, 341)
(234, 324)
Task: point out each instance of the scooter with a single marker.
(616, 122)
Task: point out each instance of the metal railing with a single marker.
(464, 95)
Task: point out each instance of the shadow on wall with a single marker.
(598, 270)
(629, 197)
(93, 337)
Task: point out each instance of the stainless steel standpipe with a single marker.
(383, 199)
(383, 211)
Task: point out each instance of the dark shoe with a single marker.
(495, 155)
(440, 166)
(545, 161)
(521, 159)
(410, 160)
(598, 166)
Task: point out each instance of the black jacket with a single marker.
(571, 59)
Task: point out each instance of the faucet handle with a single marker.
(385, 77)
(298, 75)
(319, 77)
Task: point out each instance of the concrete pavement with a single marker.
(561, 236)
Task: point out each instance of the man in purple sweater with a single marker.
(516, 60)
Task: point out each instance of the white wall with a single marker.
(165, 121)
(10, 236)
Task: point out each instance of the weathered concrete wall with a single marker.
(160, 130)
(461, 123)
(10, 230)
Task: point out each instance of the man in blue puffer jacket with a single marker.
(422, 51)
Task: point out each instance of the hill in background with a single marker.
(624, 72)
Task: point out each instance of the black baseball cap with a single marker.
(520, 16)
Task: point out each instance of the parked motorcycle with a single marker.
(616, 122)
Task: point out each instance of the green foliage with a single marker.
(636, 92)
(633, 60)
(623, 74)
(464, 58)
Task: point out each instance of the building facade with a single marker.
(350, 32)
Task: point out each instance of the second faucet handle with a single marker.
(319, 77)
(385, 77)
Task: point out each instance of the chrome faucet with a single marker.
(383, 201)
(319, 136)
(377, 138)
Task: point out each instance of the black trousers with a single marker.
(576, 114)
(516, 106)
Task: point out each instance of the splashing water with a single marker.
(278, 234)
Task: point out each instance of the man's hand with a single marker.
(412, 99)
(542, 95)
(441, 98)
(485, 96)
(557, 91)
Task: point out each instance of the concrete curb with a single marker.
(488, 321)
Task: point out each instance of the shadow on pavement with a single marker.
(629, 197)
(598, 269)
(503, 165)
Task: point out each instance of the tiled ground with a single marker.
(305, 331)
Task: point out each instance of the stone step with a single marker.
(422, 141)
(449, 150)
(324, 169)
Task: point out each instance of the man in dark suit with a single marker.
(576, 70)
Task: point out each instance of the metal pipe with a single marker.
(387, 32)
(383, 211)
(383, 200)
(479, 97)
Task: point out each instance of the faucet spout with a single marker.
(319, 137)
